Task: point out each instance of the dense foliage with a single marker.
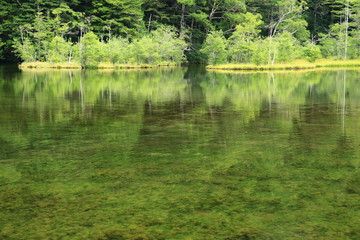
(161, 46)
(243, 31)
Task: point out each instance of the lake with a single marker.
(179, 153)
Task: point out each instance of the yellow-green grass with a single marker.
(66, 65)
(44, 70)
(300, 71)
(295, 65)
(131, 66)
(44, 65)
(168, 64)
(123, 66)
(104, 65)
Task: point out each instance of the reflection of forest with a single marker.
(313, 111)
(65, 100)
(252, 93)
(56, 96)
(90, 87)
(258, 152)
(245, 93)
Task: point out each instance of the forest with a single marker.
(90, 32)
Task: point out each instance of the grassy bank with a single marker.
(131, 66)
(45, 65)
(298, 71)
(295, 65)
(65, 65)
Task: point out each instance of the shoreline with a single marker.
(47, 65)
(297, 71)
(296, 65)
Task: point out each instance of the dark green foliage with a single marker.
(122, 17)
(309, 21)
(161, 46)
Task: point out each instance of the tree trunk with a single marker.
(347, 13)
(149, 24)
(274, 57)
(182, 20)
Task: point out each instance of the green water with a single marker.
(179, 153)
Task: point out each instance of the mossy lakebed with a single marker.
(179, 154)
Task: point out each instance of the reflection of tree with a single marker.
(62, 96)
(247, 93)
(308, 103)
(58, 90)
(63, 101)
(247, 156)
(329, 103)
(293, 162)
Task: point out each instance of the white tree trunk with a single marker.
(347, 13)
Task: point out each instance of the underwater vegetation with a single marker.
(179, 153)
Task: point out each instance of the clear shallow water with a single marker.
(179, 153)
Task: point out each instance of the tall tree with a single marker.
(241, 43)
(122, 17)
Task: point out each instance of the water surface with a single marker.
(179, 153)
